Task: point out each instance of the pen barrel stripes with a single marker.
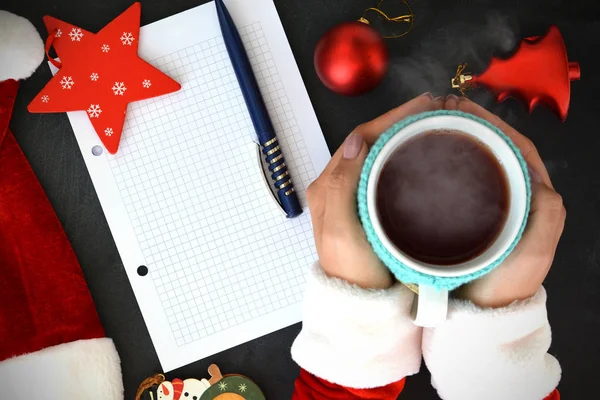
(281, 177)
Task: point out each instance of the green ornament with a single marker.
(230, 387)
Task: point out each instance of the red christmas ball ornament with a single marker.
(351, 58)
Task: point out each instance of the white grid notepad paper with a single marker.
(184, 195)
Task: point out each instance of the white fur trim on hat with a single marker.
(356, 337)
(493, 354)
(21, 48)
(85, 369)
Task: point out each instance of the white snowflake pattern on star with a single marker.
(242, 388)
(105, 48)
(146, 83)
(94, 76)
(58, 33)
(94, 111)
(127, 38)
(222, 386)
(76, 34)
(119, 88)
(45, 98)
(108, 132)
(67, 82)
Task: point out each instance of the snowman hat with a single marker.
(52, 345)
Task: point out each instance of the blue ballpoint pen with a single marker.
(258, 113)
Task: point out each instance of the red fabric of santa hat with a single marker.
(52, 345)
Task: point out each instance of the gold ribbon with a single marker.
(407, 18)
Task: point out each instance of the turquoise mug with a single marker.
(435, 283)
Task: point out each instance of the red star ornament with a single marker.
(100, 74)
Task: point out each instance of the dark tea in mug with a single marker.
(442, 197)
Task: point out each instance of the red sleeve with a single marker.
(309, 387)
(554, 395)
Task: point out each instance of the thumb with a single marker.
(340, 205)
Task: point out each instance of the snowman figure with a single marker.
(189, 389)
(193, 389)
(166, 390)
(218, 387)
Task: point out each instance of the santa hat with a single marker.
(52, 345)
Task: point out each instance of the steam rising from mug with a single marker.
(430, 64)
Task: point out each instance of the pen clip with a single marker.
(265, 180)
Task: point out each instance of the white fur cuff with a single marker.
(492, 353)
(356, 337)
(85, 369)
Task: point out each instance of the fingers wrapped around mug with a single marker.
(343, 249)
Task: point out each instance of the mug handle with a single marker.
(432, 306)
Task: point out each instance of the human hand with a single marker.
(521, 275)
(341, 243)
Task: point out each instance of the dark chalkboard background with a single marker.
(446, 33)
